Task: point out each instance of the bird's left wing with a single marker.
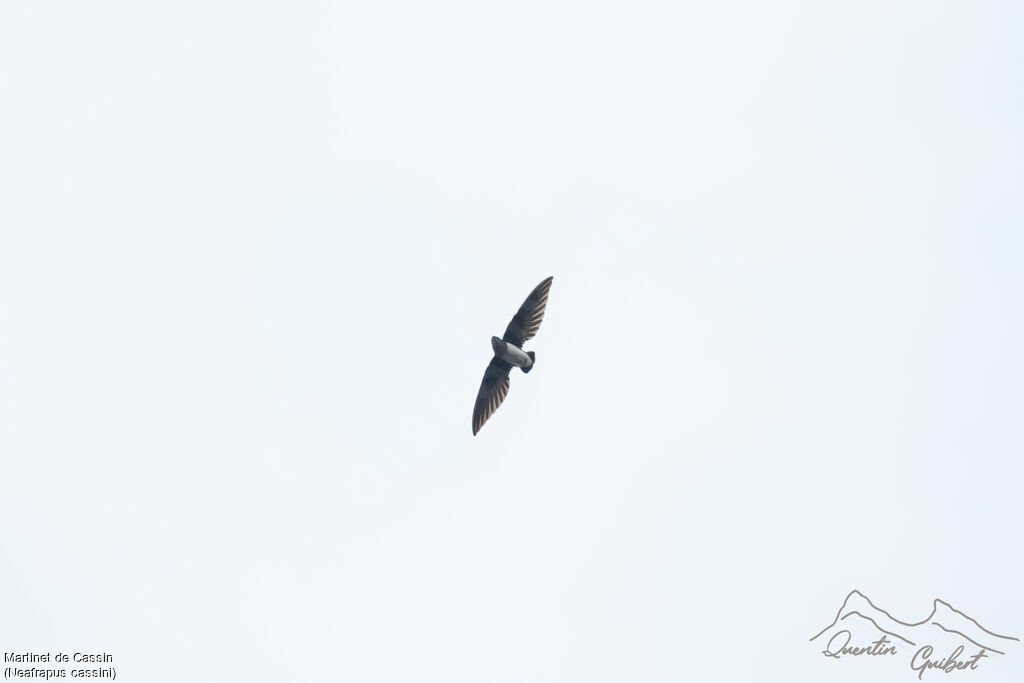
(492, 392)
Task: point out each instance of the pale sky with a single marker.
(252, 253)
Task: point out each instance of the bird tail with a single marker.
(532, 356)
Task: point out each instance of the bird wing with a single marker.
(527, 320)
(492, 392)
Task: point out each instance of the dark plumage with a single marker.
(508, 353)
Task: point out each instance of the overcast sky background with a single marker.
(251, 255)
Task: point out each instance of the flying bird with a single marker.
(508, 352)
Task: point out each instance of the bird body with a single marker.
(512, 354)
(508, 353)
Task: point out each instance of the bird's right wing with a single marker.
(527, 319)
(492, 392)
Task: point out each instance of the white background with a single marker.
(251, 255)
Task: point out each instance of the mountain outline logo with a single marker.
(947, 640)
